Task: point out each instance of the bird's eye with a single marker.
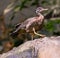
(37, 11)
(39, 8)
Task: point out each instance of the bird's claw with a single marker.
(41, 35)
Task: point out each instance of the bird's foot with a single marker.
(41, 35)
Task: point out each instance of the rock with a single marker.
(47, 47)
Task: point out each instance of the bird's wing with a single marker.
(30, 22)
(25, 25)
(27, 22)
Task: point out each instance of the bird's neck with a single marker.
(40, 16)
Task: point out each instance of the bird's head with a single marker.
(40, 9)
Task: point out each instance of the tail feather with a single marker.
(13, 34)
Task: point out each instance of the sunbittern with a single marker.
(31, 24)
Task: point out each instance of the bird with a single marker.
(31, 25)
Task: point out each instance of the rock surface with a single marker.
(48, 47)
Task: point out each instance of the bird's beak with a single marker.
(45, 9)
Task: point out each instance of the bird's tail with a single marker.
(15, 32)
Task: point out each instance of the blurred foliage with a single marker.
(50, 25)
(37, 3)
(53, 27)
(24, 2)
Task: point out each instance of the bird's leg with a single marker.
(41, 35)
(32, 36)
